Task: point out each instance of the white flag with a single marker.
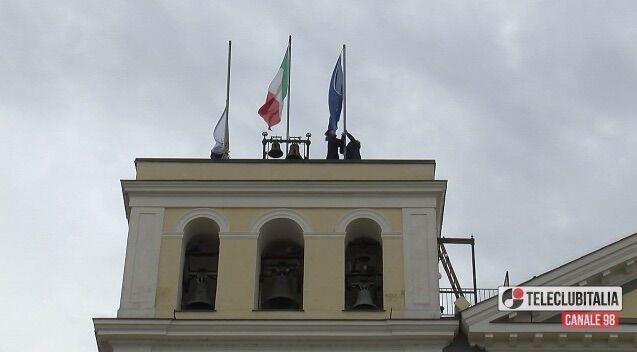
(220, 135)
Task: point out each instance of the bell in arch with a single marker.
(281, 293)
(275, 150)
(364, 299)
(199, 296)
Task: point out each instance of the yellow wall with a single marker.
(629, 305)
(236, 276)
(168, 276)
(323, 295)
(324, 277)
(393, 278)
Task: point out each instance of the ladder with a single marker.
(446, 263)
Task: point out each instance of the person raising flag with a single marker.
(337, 103)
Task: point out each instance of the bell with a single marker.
(281, 294)
(275, 150)
(364, 298)
(198, 295)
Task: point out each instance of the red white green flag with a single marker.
(277, 91)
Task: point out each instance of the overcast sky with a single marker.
(528, 109)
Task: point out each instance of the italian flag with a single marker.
(277, 91)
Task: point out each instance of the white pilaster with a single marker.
(142, 263)
(420, 234)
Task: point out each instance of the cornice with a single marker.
(329, 235)
(528, 328)
(237, 331)
(290, 194)
(390, 235)
(257, 187)
(552, 337)
(232, 235)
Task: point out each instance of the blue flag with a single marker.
(335, 96)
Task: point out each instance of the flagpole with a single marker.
(226, 154)
(344, 96)
(287, 133)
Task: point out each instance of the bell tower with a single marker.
(280, 255)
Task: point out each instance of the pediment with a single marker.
(611, 265)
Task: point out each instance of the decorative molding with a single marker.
(488, 339)
(391, 235)
(330, 235)
(606, 277)
(513, 340)
(271, 335)
(207, 213)
(587, 339)
(282, 200)
(282, 213)
(301, 187)
(385, 227)
(561, 339)
(284, 194)
(172, 235)
(551, 337)
(225, 235)
(527, 329)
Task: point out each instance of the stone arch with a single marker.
(202, 213)
(199, 260)
(282, 214)
(280, 256)
(377, 217)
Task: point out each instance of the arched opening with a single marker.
(280, 282)
(200, 265)
(363, 266)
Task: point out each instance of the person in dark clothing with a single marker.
(353, 148)
(215, 156)
(334, 145)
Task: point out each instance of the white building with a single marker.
(612, 265)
